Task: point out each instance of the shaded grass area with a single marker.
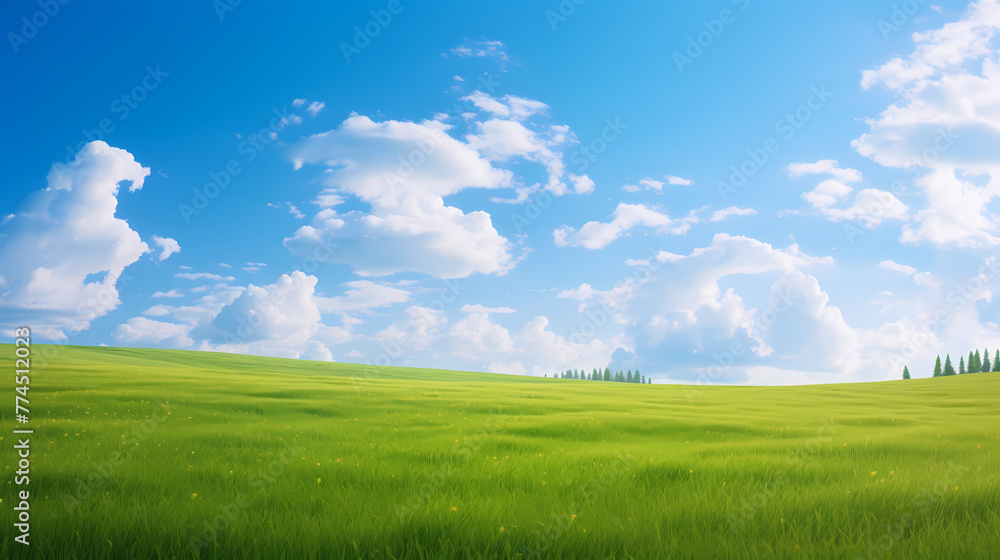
(173, 454)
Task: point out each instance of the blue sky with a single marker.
(721, 192)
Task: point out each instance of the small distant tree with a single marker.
(972, 361)
(996, 360)
(937, 367)
(961, 365)
(628, 378)
(636, 377)
(948, 368)
(986, 361)
(906, 372)
(607, 374)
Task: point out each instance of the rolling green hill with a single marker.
(173, 454)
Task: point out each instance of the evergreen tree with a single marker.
(948, 368)
(906, 372)
(937, 367)
(628, 378)
(607, 374)
(996, 361)
(642, 379)
(972, 362)
(961, 365)
(979, 363)
(636, 377)
(593, 375)
(986, 361)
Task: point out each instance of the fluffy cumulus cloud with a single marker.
(283, 319)
(942, 127)
(505, 136)
(683, 314)
(63, 253)
(478, 342)
(829, 198)
(597, 235)
(403, 170)
(167, 247)
(140, 330)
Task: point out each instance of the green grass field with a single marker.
(172, 454)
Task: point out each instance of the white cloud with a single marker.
(582, 184)
(500, 140)
(509, 106)
(597, 235)
(419, 327)
(504, 140)
(902, 268)
(199, 275)
(869, 207)
(919, 278)
(168, 246)
(65, 250)
(825, 167)
(315, 107)
(467, 308)
(281, 319)
(475, 335)
(651, 184)
(686, 309)
(173, 293)
(480, 49)
(362, 295)
(720, 215)
(292, 209)
(946, 112)
(941, 49)
(954, 215)
(493, 347)
(140, 330)
(409, 228)
(298, 102)
(158, 311)
(583, 293)
(927, 279)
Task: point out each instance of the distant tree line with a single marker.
(606, 375)
(977, 363)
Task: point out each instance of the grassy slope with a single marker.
(421, 464)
